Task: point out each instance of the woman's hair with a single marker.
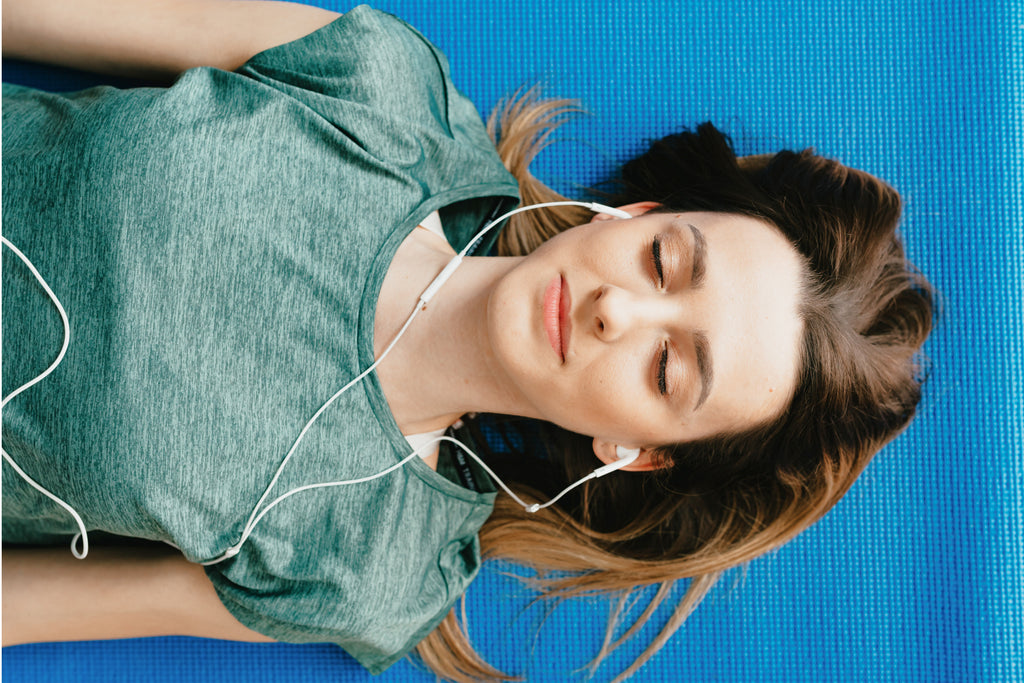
(718, 502)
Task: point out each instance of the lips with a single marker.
(553, 315)
(564, 326)
(556, 315)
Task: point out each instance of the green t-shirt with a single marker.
(219, 246)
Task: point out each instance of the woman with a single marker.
(235, 248)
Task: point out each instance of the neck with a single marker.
(442, 367)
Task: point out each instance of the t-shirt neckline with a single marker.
(371, 384)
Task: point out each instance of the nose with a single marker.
(617, 311)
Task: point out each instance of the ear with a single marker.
(634, 210)
(606, 453)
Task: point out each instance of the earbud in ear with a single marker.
(610, 210)
(626, 457)
(624, 453)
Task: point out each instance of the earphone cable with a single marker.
(83, 534)
(257, 514)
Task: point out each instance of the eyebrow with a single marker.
(707, 375)
(700, 339)
(700, 251)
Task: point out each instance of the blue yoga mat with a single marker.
(917, 574)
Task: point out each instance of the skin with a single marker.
(489, 345)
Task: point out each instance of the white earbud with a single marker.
(627, 456)
(610, 210)
(622, 453)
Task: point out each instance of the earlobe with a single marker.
(635, 209)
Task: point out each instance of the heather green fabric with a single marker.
(219, 246)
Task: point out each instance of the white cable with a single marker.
(436, 283)
(250, 527)
(593, 206)
(626, 456)
(251, 524)
(529, 507)
(255, 511)
(257, 514)
(83, 534)
(428, 293)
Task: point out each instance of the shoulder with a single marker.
(374, 41)
(398, 81)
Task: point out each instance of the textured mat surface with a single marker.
(917, 574)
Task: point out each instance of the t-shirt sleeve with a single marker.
(374, 574)
(370, 72)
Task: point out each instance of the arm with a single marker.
(117, 592)
(154, 38)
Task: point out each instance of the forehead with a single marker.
(751, 309)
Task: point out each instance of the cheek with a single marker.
(611, 393)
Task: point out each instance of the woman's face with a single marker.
(659, 329)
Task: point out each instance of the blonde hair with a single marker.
(731, 498)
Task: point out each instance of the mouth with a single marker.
(564, 319)
(555, 318)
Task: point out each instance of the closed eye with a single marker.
(656, 260)
(662, 366)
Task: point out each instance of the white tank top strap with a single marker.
(417, 440)
(433, 224)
